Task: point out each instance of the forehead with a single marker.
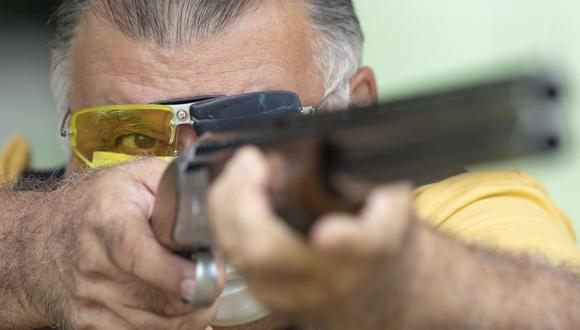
(267, 49)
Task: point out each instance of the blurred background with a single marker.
(413, 45)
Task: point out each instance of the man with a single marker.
(84, 255)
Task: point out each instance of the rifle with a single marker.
(325, 155)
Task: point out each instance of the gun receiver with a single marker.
(331, 160)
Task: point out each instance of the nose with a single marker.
(186, 136)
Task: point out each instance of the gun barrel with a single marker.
(417, 138)
(483, 122)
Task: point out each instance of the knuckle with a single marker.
(127, 255)
(121, 249)
(96, 214)
(87, 264)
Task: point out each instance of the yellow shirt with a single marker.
(507, 211)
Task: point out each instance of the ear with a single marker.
(363, 88)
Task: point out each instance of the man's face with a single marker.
(268, 49)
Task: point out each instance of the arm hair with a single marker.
(449, 285)
(32, 241)
(17, 226)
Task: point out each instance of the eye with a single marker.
(136, 141)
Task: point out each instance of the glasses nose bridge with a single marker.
(182, 110)
(181, 116)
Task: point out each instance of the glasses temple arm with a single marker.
(315, 109)
(65, 132)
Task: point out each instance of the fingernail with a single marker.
(187, 289)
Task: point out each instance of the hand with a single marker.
(335, 270)
(100, 265)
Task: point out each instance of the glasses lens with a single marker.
(225, 113)
(140, 132)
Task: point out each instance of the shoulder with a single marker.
(484, 180)
(510, 211)
(450, 195)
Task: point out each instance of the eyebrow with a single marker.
(132, 120)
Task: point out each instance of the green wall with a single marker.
(417, 44)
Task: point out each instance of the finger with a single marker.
(247, 167)
(340, 235)
(132, 246)
(130, 292)
(379, 229)
(387, 215)
(90, 316)
(108, 295)
(139, 319)
(221, 265)
(248, 231)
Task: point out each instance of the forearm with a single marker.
(16, 227)
(445, 284)
(467, 287)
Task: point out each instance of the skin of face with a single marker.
(269, 48)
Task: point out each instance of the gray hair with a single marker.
(337, 46)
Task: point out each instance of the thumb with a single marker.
(379, 229)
